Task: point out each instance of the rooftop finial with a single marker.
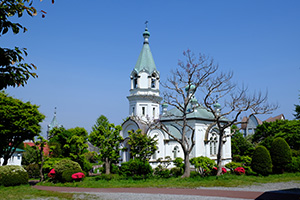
(146, 22)
(55, 111)
(146, 34)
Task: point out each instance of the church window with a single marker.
(132, 111)
(143, 111)
(213, 145)
(153, 112)
(152, 83)
(135, 81)
(175, 152)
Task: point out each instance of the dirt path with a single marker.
(172, 191)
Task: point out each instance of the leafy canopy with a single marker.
(13, 70)
(289, 130)
(19, 121)
(141, 145)
(106, 136)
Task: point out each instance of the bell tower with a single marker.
(144, 96)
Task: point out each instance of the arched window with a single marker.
(153, 81)
(213, 142)
(175, 152)
(135, 81)
(154, 156)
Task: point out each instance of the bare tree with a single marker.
(190, 75)
(236, 101)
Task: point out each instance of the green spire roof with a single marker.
(145, 61)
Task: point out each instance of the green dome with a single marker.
(217, 105)
(146, 32)
(164, 105)
(191, 87)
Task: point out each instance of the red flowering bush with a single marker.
(224, 170)
(215, 170)
(51, 174)
(239, 171)
(78, 176)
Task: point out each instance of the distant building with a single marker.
(144, 106)
(54, 124)
(249, 124)
(15, 159)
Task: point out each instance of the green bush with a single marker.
(33, 170)
(11, 175)
(261, 161)
(232, 166)
(293, 166)
(67, 175)
(176, 171)
(281, 154)
(203, 165)
(178, 162)
(64, 165)
(162, 172)
(136, 168)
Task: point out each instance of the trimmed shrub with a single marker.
(67, 175)
(176, 171)
(178, 162)
(136, 169)
(293, 166)
(162, 172)
(232, 166)
(33, 170)
(11, 175)
(65, 165)
(281, 155)
(261, 161)
(203, 165)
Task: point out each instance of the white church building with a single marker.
(144, 105)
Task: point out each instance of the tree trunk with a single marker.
(187, 167)
(107, 166)
(42, 163)
(219, 156)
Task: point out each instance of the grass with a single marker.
(27, 192)
(226, 180)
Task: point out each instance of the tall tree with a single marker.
(19, 121)
(181, 86)
(289, 130)
(141, 145)
(13, 70)
(70, 143)
(236, 100)
(297, 111)
(202, 73)
(106, 136)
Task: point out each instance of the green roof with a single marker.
(145, 61)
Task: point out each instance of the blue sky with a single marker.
(86, 50)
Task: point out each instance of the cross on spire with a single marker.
(146, 22)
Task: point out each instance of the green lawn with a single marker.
(227, 180)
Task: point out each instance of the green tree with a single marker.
(240, 145)
(141, 145)
(289, 130)
(70, 143)
(297, 111)
(19, 121)
(281, 155)
(261, 161)
(106, 136)
(13, 70)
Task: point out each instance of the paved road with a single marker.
(174, 192)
